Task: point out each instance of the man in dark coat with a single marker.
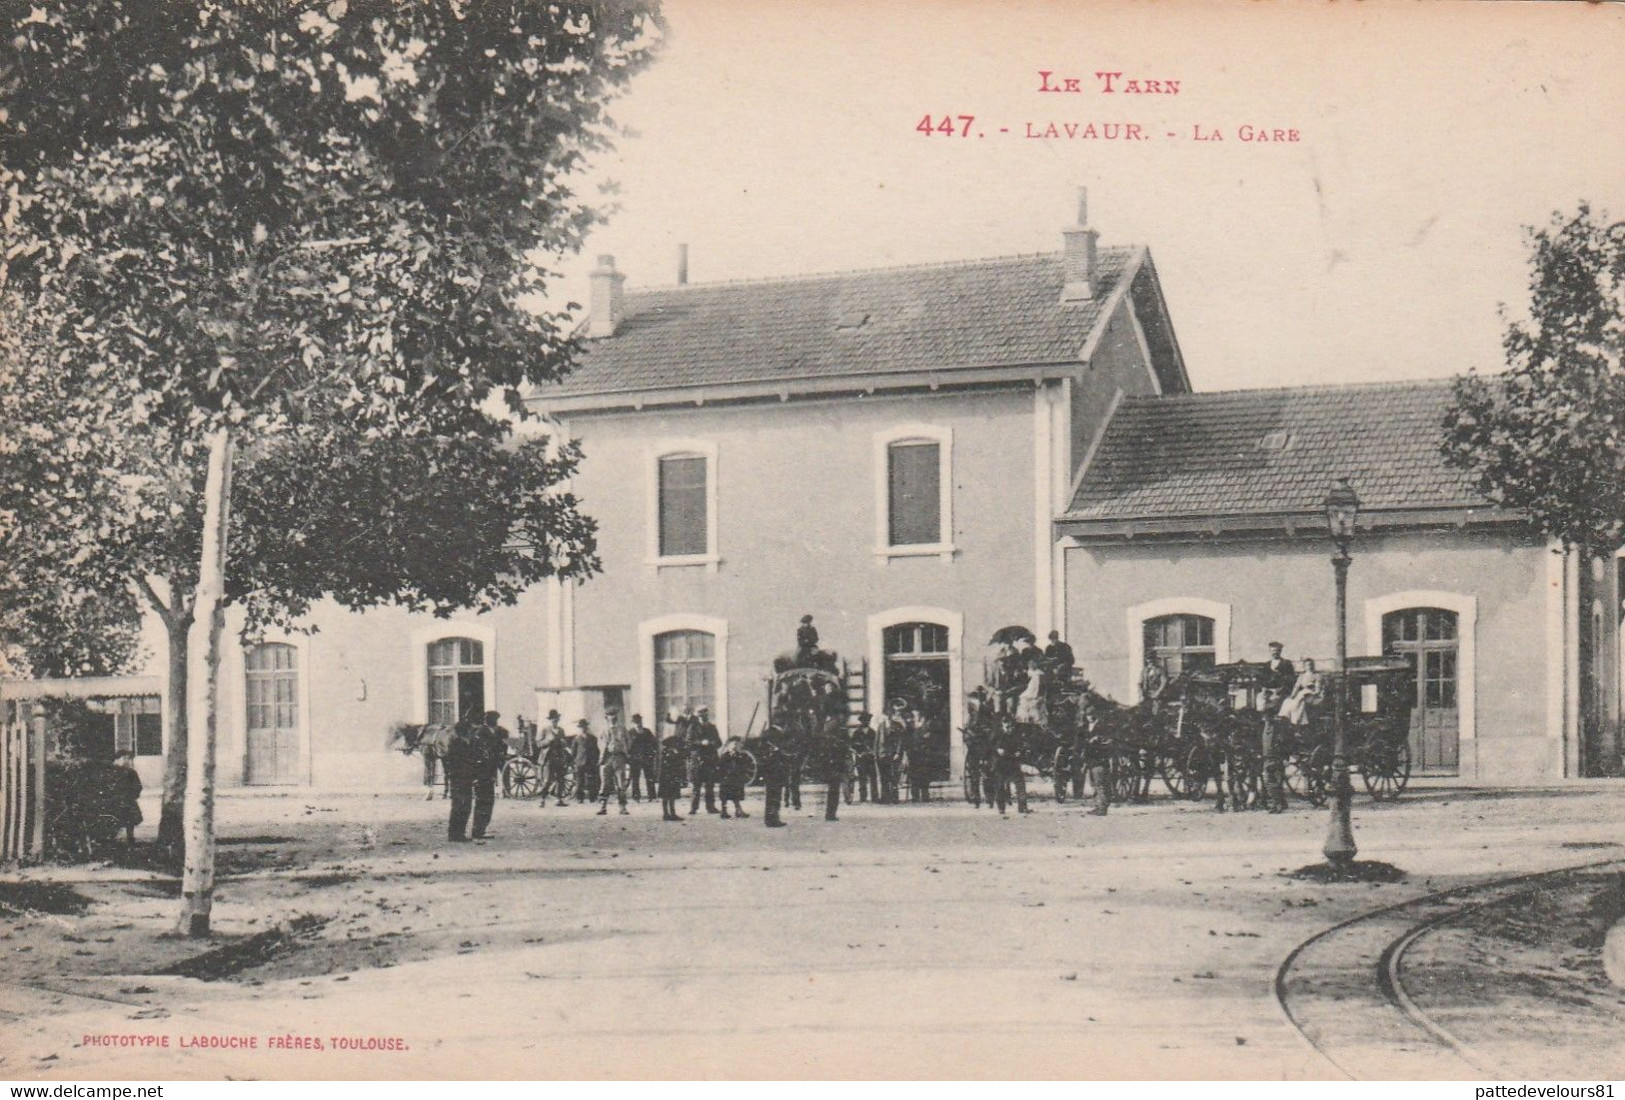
(835, 756)
(1279, 679)
(645, 758)
(554, 755)
(1006, 761)
(1058, 655)
(673, 760)
(770, 753)
(806, 643)
(704, 743)
(586, 762)
(867, 786)
(917, 749)
(889, 732)
(491, 749)
(471, 762)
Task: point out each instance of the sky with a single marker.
(779, 138)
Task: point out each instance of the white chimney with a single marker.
(1079, 260)
(605, 308)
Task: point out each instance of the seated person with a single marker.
(1307, 691)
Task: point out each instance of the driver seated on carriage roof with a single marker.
(1281, 677)
(1153, 682)
(807, 636)
(1059, 655)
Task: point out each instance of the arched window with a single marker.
(456, 679)
(272, 690)
(1430, 638)
(685, 671)
(919, 672)
(1180, 643)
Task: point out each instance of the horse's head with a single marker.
(406, 736)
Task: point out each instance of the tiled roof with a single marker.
(1271, 452)
(982, 313)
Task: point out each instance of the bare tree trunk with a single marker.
(203, 701)
(170, 833)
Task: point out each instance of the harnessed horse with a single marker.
(432, 741)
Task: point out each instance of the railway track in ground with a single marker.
(1343, 989)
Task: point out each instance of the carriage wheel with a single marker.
(1061, 769)
(520, 778)
(1386, 770)
(1174, 776)
(1195, 773)
(1247, 775)
(1125, 777)
(1308, 777)
(750, 771)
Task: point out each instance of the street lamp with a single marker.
(1342, 509)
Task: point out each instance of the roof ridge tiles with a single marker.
(1126, 251)
(1143, 400)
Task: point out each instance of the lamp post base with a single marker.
(1340, 848)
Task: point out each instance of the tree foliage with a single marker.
(62, 612)
(1547, 437)
(321, 227)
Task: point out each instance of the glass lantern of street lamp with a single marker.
(1342, 509)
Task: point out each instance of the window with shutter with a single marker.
(914, 489)
(684, 514)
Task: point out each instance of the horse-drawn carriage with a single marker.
(806, 700)
(1226, 730)
(1045, 715)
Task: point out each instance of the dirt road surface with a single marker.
(902, 942)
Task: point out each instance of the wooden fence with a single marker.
(22, 791)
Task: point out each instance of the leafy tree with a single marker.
(294, 247)
(1547, 437)
(60, 614)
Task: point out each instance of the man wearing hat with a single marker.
(645, 760)
(1280, 678)
(889, 735)
(554, 754)
(617, 760)
(673, 756)
(770, 753)
(586, 762)
(806, 643)
(835, 751)
(1058, 655)
(704, 743)
(867, 787)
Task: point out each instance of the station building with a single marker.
(918, 456)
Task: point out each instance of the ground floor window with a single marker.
(685, 672)
(1180, 643)
(918, 672)
(456, 679)
(138, 727)
(272, 671)
(1429, 638)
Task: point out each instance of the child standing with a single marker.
(734, 768)
(673, 761)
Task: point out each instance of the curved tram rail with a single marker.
(1342, 989)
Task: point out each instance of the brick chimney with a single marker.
(605, 308)
(1079, 261)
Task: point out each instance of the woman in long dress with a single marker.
(1309, 689)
